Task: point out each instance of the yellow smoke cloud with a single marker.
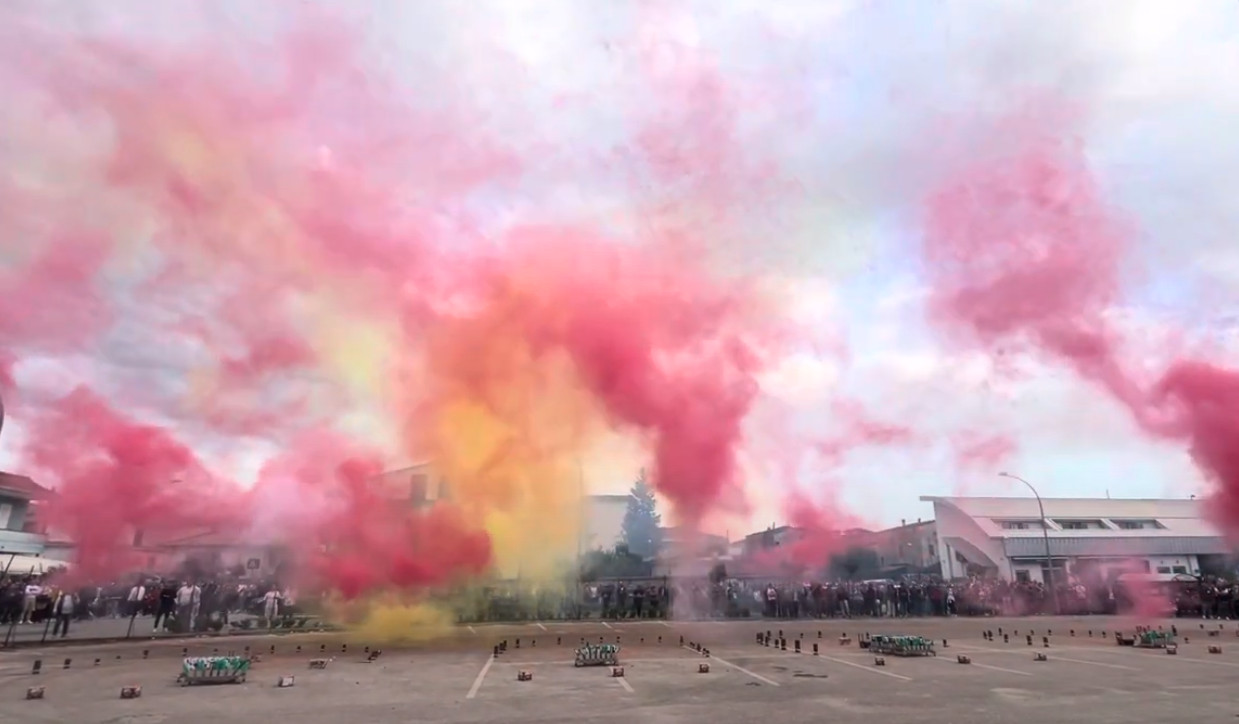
(389, 620)
(508, 434)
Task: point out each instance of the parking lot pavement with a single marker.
(1081, 680)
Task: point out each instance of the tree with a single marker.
(641, 531)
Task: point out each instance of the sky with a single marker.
(860, 108)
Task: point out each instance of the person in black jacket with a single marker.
(165, 604)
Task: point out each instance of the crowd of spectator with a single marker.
(165, 603)
(205, 603)
(919, 596)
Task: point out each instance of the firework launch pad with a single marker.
(706, 671)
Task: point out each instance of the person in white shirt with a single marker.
(195, 605)
(271, 605)
(186, 596)
(30, 598)
(133, 602)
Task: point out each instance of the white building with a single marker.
(602, 521)
(21, 541)
(1005, 537)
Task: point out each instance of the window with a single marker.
(1179, 569)
(1021, 576)
(1019, 524)
(1081, 524)
(6, 512)
(418, 485)
(1163, 569)
(1143, 524)
(931, 550)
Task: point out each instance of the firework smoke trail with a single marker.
(1025, 250)
(308, 243)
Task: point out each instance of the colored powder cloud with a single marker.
(308, 243)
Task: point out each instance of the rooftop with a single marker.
(1099, 517)
(23, 486)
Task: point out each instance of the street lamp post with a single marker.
(1045, 533)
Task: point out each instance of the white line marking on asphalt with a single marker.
(624, 683)
(742, 670)
(665, 624)
(563, 662)
(604, 623)
(473, 631)
(477, 683)
(989, 666)
(541, 627)
(871, 670)
(1093, 663)
(996, 668)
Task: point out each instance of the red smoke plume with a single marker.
(859, 429)
(322, 498)
(1025, 250)
(119, 482)
(233, 199)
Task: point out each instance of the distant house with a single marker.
(772, 537)
(905, 548)
(686, 552)
(602, 521)
(21, 543)
(420, 485)
(213, 550)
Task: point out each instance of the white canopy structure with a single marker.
(18, 565)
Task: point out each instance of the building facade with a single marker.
(418, 484)
(19, 536)
(905, 548)
(772, 537)
(601, 516)
(1008, 538)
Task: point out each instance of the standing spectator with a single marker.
(165, 605)
(195, 604)
(133, 602)
(10, 601)
(288, 601)
(30, 599)
(185, 596)
(62, 609)
(271, 605)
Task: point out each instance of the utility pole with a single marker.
(1045, 533)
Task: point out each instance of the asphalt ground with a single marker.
(457, 678)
